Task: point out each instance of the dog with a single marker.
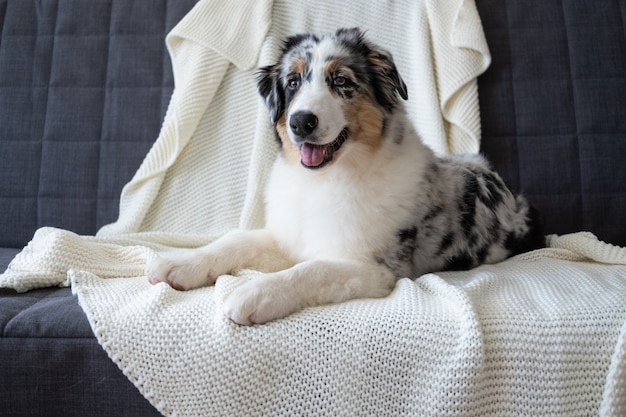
(355, 200)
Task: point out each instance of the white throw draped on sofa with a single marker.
(539, 334)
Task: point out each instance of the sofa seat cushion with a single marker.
(55, 365)
(47, 312)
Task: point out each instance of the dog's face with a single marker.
(328, 91)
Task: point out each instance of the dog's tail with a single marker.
(533, 238)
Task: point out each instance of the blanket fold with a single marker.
(461, 343)
(457, 37)
(234, 30)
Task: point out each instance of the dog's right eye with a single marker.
(293, 83)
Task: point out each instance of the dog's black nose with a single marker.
(303, 123)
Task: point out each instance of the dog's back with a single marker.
(471, 217)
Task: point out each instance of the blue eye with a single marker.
(293, 83)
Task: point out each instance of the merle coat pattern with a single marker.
(355, 199)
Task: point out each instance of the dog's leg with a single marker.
(193, 268)
(309, 283)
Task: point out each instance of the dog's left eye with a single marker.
(340, 81)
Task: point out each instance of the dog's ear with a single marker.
(387, 79)
(268, 82)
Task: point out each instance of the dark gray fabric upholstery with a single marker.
(84, 86)
(6, 255)
(553, 109)
(53, 366)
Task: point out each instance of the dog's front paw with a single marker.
(183, 272)
(259, 301)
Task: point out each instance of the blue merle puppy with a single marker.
(355, 200)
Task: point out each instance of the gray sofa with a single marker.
(84, 86)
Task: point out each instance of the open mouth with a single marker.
(316, 156)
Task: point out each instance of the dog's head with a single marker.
(328, 90)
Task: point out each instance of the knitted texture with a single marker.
(532, 336)
(541, 334)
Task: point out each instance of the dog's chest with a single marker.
(317, 216)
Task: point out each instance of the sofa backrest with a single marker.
(84, 86)
(553, 109)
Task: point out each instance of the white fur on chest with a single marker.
(342, 211)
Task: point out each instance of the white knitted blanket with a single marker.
(540, 334)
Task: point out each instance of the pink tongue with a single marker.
(312, 155)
